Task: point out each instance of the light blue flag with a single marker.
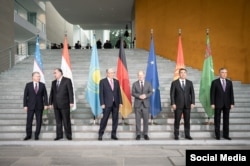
(92, 92)
(152, 77)
(38, 63)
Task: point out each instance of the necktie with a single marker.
(142, 87)
(36, 88)
(224, 85)
(57, 84)
(183, 85)
(111, 84)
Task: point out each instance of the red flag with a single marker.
(122, 76)
(66, 66)
(179, 60)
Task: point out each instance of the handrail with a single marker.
(16, 44)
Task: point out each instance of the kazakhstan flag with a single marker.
(92, 92)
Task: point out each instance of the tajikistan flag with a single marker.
(66, 66)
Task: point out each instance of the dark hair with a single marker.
(182, 69)
(60, 70)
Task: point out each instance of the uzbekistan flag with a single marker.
(122, 76)
(66, 66)
(38, 64)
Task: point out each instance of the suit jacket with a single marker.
(33, 100)
(218, 97)
(182, 98)
(107, 95)
(63, 96)
(136, 92)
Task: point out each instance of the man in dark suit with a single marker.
(35, 100)
(182, 101)
(61, 96)
(141, 91)
(110, 100)
(222, 99)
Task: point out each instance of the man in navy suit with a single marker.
(35, 100)
(62, 99)
(222, 99)
(182, 101)
(110, 100)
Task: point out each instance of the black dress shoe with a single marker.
(228, 138)
(99, 138)
(57, 138)
(217, 138)
(138, 137)
(189, 137)
(26, 138)
(176, 138)
(146, 137)
(114, 137)
(69, 138)
(36, 138)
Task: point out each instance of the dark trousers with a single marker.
(106, 112)
(217, 119)
(63, 117)
(177, 117)
(30, 115)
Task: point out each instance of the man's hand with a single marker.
(173, 107)
(25, 109)
(192, 106)
(103, 106)
(213, 106)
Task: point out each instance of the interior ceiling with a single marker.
(96, 14)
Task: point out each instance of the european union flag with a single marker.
(152, 77)
(92, 92)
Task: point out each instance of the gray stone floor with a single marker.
(104, 153)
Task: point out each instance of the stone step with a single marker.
(94, 128)
(124, 135)
(159, 121)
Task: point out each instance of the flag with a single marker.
(122, 76)
(207, 77)
(66, 66)
(92, 91)
(38, 64)
(152, 77)
(179, 60)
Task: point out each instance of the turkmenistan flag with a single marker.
(206, 79)
(122, 76)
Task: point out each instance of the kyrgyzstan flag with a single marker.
(66, 66)
(122, 76)
(180, 59)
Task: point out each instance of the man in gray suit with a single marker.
(141, 91)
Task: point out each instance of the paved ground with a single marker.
(105, 153)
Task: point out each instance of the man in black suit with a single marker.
(182, 101)
(110, 100)
(222, 99)
(61, 96)
(35, 100)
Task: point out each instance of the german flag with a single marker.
(122, 76)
